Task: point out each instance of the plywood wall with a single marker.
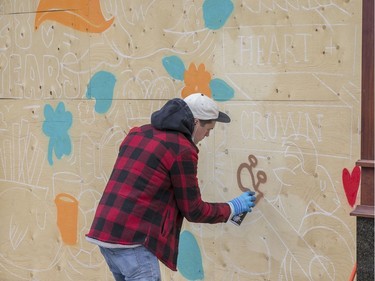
(75, 76)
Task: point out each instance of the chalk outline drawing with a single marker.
(28, 175)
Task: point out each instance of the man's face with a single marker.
(200, 132)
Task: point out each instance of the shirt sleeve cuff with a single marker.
(231, 210)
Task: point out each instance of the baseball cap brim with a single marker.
(223, 118)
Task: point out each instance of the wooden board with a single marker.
(288, 74)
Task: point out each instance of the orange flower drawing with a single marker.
(196, 80)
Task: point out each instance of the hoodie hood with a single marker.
(174, 115)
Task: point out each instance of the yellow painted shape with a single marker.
(82, 15)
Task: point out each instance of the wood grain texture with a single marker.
(68, 97)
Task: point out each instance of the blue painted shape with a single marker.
(216, 13)
(56, 125)
(174, 66)
(189, 260)
(220, 90)
(101, 88)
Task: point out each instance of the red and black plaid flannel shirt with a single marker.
(153, 186)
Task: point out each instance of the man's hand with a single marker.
(243, 203)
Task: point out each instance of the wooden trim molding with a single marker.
(366, 163)
(366, 207)
(363, 211)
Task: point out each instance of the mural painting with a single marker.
(75, 76)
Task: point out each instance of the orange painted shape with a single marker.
(196, 81)
(82, 15)
(67, 217)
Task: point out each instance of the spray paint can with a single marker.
(238, 219)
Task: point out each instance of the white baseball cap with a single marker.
(204, 108)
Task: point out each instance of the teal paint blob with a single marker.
(216, 13)
(55, 126)
(101, 88)
(189, 260)
(174, 66)
(220, 90)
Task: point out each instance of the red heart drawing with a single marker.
(351, 184)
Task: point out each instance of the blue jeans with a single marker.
(132, 264)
